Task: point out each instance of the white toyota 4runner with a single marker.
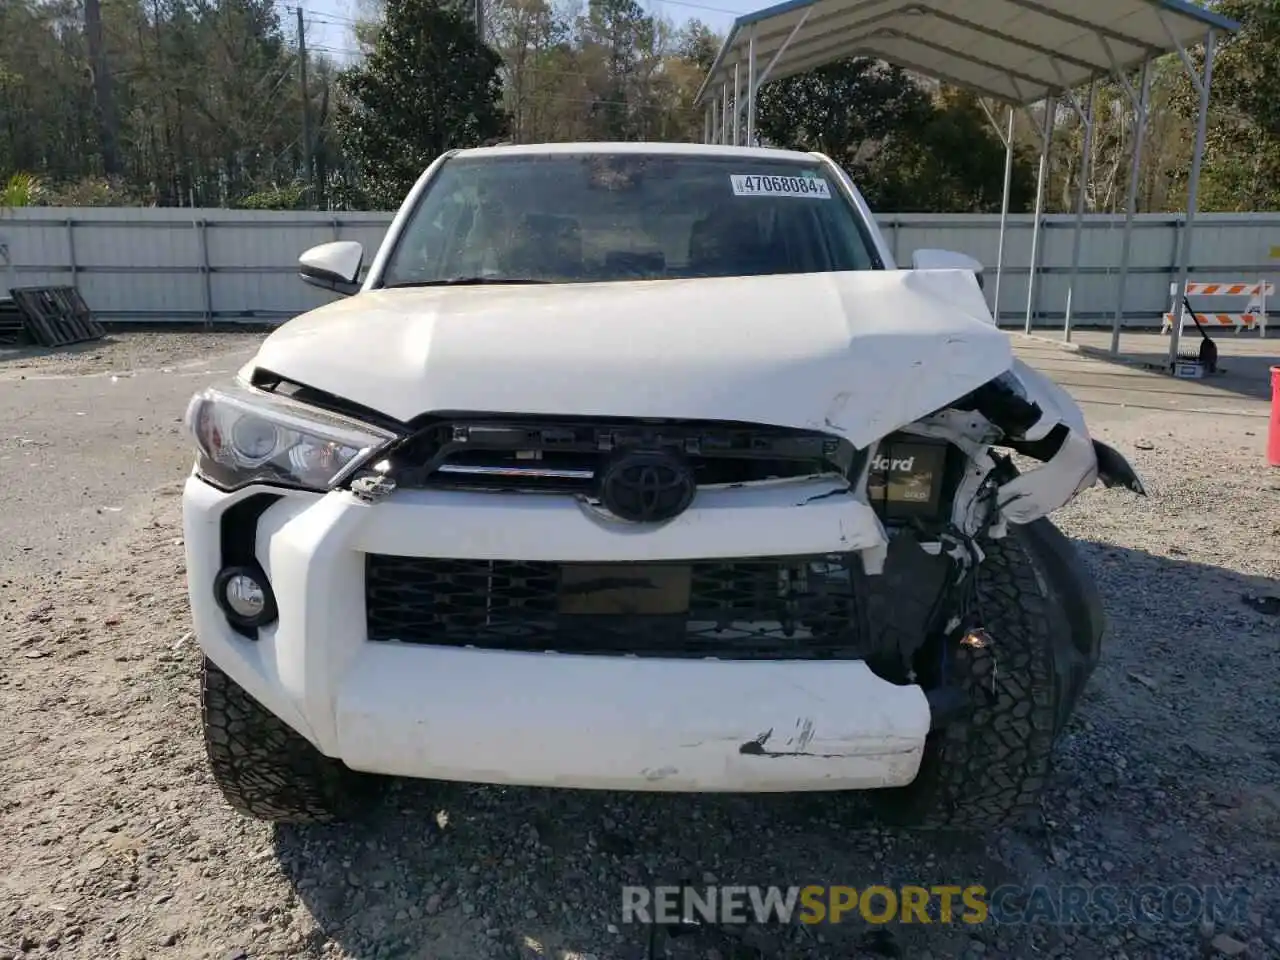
(639, 467)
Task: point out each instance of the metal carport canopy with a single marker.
(1017, 51)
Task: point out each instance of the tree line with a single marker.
(219, 103)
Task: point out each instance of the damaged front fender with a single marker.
(1042, 421)
(1068, 473)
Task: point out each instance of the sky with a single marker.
(329, 22)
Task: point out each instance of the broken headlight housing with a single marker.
(244, 436)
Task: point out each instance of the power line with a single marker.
(674, 3)
(553, 97)
(701, 6)
(346, 51)
(540, 71)
(335, 20)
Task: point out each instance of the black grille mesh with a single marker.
(757, 609)
(566, 456)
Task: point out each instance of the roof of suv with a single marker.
(646, 147)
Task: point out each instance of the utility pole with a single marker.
(101, 87)
(306, 106)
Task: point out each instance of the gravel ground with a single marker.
(121, 352)
(116, 844)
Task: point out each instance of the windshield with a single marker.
(603, 217)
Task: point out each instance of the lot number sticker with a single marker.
(750, 185)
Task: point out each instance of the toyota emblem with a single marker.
(645, 486)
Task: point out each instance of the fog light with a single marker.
(245, 596)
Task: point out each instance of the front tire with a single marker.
(266, 769)
(989, 767)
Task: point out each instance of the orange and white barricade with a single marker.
(1253, 317)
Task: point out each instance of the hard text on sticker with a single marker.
(753, 185)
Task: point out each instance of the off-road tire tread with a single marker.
(990, 767)
(265, 768)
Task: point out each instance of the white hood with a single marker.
(856, 354)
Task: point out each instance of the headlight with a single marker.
(248, 436)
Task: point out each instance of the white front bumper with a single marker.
(548, 719)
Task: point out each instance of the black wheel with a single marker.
(988, 767)
(266, 769)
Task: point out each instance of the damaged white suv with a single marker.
(639, 467)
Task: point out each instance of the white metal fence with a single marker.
(185, 265)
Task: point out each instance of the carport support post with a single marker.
(1135, 174)
(737, 105)
(763, 75)
(1086, 159)
(1193, 188)
(1004, 211)
(724, 113)
(1050, 109)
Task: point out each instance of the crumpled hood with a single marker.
(856, 354)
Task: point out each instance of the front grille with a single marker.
(565, 456)
(778, 608)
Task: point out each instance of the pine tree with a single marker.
(430, 85)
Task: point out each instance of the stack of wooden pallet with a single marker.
(50, 317)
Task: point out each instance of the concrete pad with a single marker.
(1244, 359)
(1243, 390)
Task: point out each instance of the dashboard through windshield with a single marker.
(583, 218)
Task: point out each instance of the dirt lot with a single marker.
(116, 845)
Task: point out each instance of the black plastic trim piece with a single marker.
(239, 536)
(1114, 470)
(1047, 447)
(1004, 402)
(271, 381)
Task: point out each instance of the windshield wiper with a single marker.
(463, 282)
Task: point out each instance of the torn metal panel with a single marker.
(1025, 410)
(1073, 469)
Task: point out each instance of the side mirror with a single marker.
(929, 259)
(333, 266)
